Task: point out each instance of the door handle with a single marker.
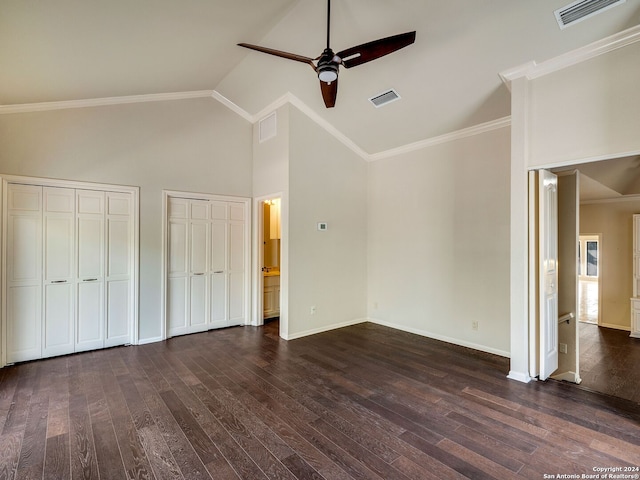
(202, 273)
(219, 271)
(59, 281)
(90, 280)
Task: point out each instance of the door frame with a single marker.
(164, 268)
(257, 318)
(598, 278)
(134, 334)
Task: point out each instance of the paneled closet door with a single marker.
(90, 321)
(24, 272)
(59, 271)
(219, 273)
(178, 267)
(236, 259)
(119, 311)
(199, 225)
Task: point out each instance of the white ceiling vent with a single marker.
(384, 98)
(582, 9)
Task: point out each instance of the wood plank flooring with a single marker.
(363, 402)
(609, 361)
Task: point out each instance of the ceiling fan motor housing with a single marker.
(327, 68)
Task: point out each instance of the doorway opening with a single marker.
(589, 265)
(271, 259)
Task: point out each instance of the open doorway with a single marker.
(609, 192)
(589, 259)
(267, 260)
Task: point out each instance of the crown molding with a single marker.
(448, 137)
(287, 99)
(534, 70)
(101, 102)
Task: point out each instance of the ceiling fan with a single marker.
(327, 65)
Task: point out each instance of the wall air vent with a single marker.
(384, 98)
(582, 9)
(267, 128)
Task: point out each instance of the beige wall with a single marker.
(438, 241)
(328, 270)
(613, 220)
(587, 110)
(194, 145)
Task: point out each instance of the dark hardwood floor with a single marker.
(610, 361)
(360, 402)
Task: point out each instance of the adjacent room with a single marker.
(216, 263)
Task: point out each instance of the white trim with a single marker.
(134, 332)
(146, 341)
(442, 338)
(101, 102)
(327, 328)
(534, 70)
(166, 194)
(448, 137)
(519, 376)
(287, 98)
(614, 326)
(572, 377)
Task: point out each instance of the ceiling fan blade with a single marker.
(366, 52)
(329, 93)
(279, 53)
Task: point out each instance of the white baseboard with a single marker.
(313, 331)
(144, 341)
(519, 376)
(617, 327)
(572, 377)
(443, 338)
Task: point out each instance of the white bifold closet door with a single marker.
(68, 269)
(206, 285)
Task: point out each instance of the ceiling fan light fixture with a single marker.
(328, 73)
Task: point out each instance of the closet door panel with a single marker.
(118, 313)
(177, 306)
(119, 306)
(24, 323)
(219, 300)
(90, 325)
(91, 264)
(236, 273)
(59, 271)
(24, 273)
(58, 319)
(198, 303)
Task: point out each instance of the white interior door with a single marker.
(236, 264)
(24, 273)
(119, 255)
(548, 272)
(199, 241)
(90, 320)
(59, 271)
(178, 262)
(219, 272)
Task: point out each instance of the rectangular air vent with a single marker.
(267, 128)
(582, 9)
(384, 98)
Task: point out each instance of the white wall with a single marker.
(614, 221)
(587, 110)
(438, 242)
(570, 112)
(327, 183)
(193, 145)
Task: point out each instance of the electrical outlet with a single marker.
(474, 325)
(563, 348)
(313, 310)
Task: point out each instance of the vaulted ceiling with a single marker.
(59, 50)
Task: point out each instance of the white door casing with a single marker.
(548, 268)
(65, 245)
(207, 257)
